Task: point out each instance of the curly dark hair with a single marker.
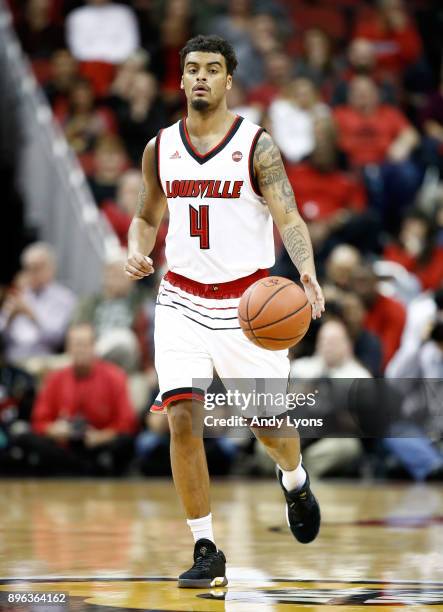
(210, 44)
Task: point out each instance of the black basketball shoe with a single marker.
(209, 569)
(302, 511)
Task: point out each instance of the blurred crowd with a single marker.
(352, 93)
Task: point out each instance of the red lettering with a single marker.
(175, 188)
(236, 189)
(226, 187)
(210, 189)
(203, 189)
(184, 186)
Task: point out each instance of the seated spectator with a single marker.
(333, 357)
(109, 161)
(117, 317)
(291, 119)
(124, 78)
(341, 265)
(102, 31)
(422, 314)
(37, 32)
(385, 316)
(83, 420)
(379, 140)
(414, 436)
(317, 61)
(362, 61)
(396, 41)
(278, 67)
(120, 212)
(266, 37)
(34, 316)
(417, 251)
(332, 202)
(63, 75)
(141, 116)
(366, 345)
(81, 121)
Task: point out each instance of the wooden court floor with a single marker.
(110, 545)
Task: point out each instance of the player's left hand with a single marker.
(314, 294)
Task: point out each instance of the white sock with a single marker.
(201, 528)
(293, 479)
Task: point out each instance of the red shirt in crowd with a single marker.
(321, 194)
(394, 49)
(386, 319)
(118, 218)
(101, 398)
(430, 274)
(367, 138)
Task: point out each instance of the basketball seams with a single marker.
(269, 299)
(283, 318)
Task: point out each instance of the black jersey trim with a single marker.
(252, 175)
(203, 158)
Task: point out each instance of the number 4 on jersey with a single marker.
(199, 224)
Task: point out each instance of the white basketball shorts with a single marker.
(197, 331)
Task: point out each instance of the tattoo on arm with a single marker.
(141, 201)
(271, 173)
(297, 245)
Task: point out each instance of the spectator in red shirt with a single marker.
(83, 418)
(396, 41)
(417, 251)
(332, 202)
(385, 317)
(379, 140)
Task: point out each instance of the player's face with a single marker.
(205, 80)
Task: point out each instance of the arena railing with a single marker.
(58, 202)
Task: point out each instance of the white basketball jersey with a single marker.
(219, 226)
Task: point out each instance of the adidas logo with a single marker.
(175, 155)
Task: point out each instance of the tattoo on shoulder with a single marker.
(271, 173)
(141, 200)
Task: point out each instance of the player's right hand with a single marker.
(138, 266)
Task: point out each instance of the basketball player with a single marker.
(223, 181)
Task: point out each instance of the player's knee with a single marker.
(180, 419)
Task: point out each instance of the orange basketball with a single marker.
(274, 313)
